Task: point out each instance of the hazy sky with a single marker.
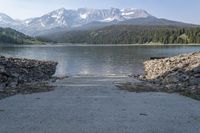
(181, 10)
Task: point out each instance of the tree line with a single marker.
(129, 34)
(8, 35)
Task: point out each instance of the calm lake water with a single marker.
(96, 60)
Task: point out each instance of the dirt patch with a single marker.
(26, 89)
(149, 87)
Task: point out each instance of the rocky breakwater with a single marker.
(24, 75)
(176, 74)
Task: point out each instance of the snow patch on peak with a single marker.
(27, 22)
(42, 24)
(108, 19)
(84, 16)
(128, 13)
(56, 16)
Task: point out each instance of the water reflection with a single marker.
(100, 60)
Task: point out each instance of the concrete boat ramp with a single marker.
(88, 104)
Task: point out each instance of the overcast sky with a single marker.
(181, 10)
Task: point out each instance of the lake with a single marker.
(95, 60)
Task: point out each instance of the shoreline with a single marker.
(178, 74)
(92, 45)
(174, 74)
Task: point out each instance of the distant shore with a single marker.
(86, 44)
(149, 44)
(92, 45)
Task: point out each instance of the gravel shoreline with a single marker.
(179, 74)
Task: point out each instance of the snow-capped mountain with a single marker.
(82, 16)
(63, 19)
(6, 21)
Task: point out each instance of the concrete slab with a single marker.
(95, 105)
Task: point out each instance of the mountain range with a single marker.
(83, 18)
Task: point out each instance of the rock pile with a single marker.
(15, 71)
(176, 74)
(179, 64)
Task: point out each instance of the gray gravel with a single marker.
(95, 105)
